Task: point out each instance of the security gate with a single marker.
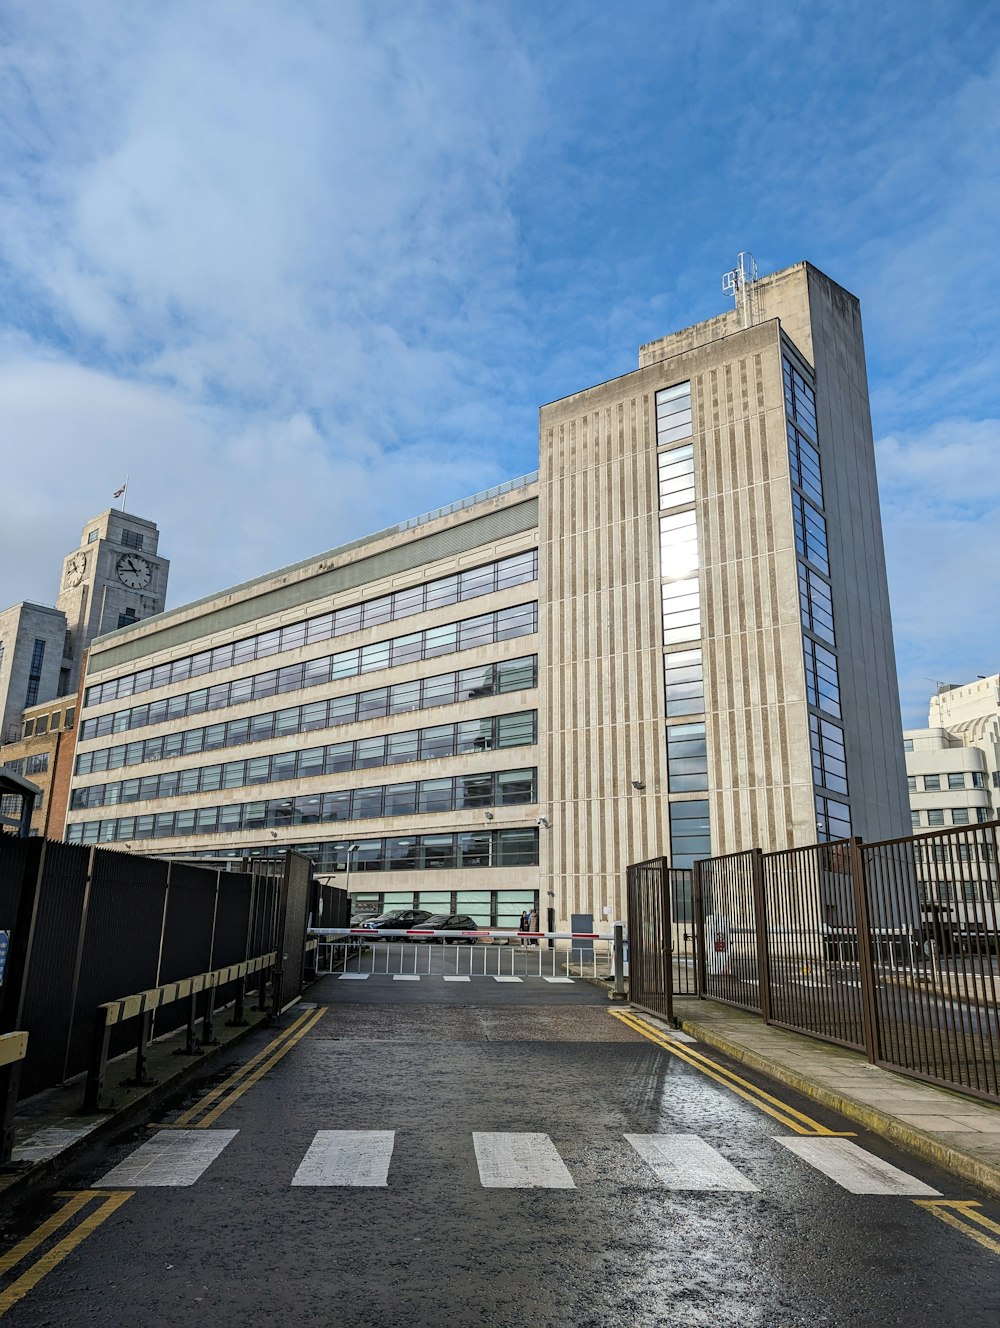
(650, 972)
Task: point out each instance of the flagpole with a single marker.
(124, 492)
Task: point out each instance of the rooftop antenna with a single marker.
(740, 283)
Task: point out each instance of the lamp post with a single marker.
(351, 850)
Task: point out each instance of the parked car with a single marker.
(395, 921)
(448, 922)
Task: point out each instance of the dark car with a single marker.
(398, 921)
(448, 922)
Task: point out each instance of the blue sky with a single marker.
(304, 269)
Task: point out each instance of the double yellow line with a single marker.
(964, 1216)
(207, 1110)
(793, 1119)
(110, 1201)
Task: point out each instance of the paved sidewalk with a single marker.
(959, 1133)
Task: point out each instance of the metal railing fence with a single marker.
(891, 948)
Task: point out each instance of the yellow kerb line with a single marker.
(787, 1115)
(112, 1200)
(188, 1116)
(958, 1214)
(259, 1073)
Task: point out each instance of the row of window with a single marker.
(523, 567)
(955, 779)
(936, 816)
(28, 765)
(475, 848)
(486, 629)
(40, 724)
(431, 744)
(35, 673)
(423, 694)
(500, 788)
(487, 908)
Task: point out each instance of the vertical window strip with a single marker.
(673, 414)
(684, 683)
(676, 476)
(829, 756)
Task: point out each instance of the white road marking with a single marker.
(452, 977)
(854, 1169)
(52, 1139)
(406, 977)
(171, 1157)
(505, 979)
(354, 977)
(544, 979)
(520, 1162)
(687, 1162)
(347, 1157)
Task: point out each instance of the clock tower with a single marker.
(116, 577)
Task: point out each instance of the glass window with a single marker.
(377, 611)
(369, 752)
(911, 783)
(935, 816)
(833, 819)
(211, 777)
(367, 803)
(437, 851)
(313, 716)
(375, 656)
(437, 742)
(436, 795)
(400, 800)
(404, 697)
(914, 820)
(684, 683)
(978, 779)
(476, 632)
(804, 464)
(474, 735)
(339, 756)
(442, 591)
(516, 730)
(676, 475)
(473, 683)
(956, 781)
(516, 848)
(475, 849)
(438, 691)
(932, 782)
(342, 709)
(810, 533)
(518, 570)
(960, 816)
(514, 787)
(689, 832)
(477, 581)
(287, 721)
(681, 611)
(474, 791)
(829, 758)
(373, 704)
(315, 672)
(402, 747)
(336, 806)
(258, 770)
(822, 677)
(347, 620)
(232, 774)
(800, 400)
(401, 853)
(407, 602)
(283, 765)
(311, 762)
(519, 621)
(687, 758)
(290, 678)
(345, 664)
(816, 604)
(407, 649)
(673, 414)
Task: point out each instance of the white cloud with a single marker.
(940, 492)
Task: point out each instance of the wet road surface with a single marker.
(429, 1153)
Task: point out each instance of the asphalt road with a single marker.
(422, 1080)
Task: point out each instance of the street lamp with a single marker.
(352, 849)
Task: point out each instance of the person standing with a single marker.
(533, 926)
(523, 926)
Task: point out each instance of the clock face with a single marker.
(75, 569)
(133, 571)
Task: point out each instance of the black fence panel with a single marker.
(50, 991)
(18, 858)
(187, 937)
(726, 927)
(295, 899)
(232, 919)
(650, 979)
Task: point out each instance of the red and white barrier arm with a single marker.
(495, 934)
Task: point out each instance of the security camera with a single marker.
(638, 784)
(543, 821)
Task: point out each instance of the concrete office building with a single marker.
(44, 754)
(674, 638)
(953, 765)
(32, 637)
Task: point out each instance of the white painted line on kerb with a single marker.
(520, 1162)
(687, 1162)
(452, 977)
(354, 977)
(856, 1170)
(544, 979)
(505, 979)
(171, 1157)
(406, 977)
(347, 1157)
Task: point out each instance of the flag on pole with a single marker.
(118, 492)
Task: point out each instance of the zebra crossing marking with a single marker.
(856, 1170)
(171, 1157)
(520, 1162)
(687, 1162)
(347, 1157)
